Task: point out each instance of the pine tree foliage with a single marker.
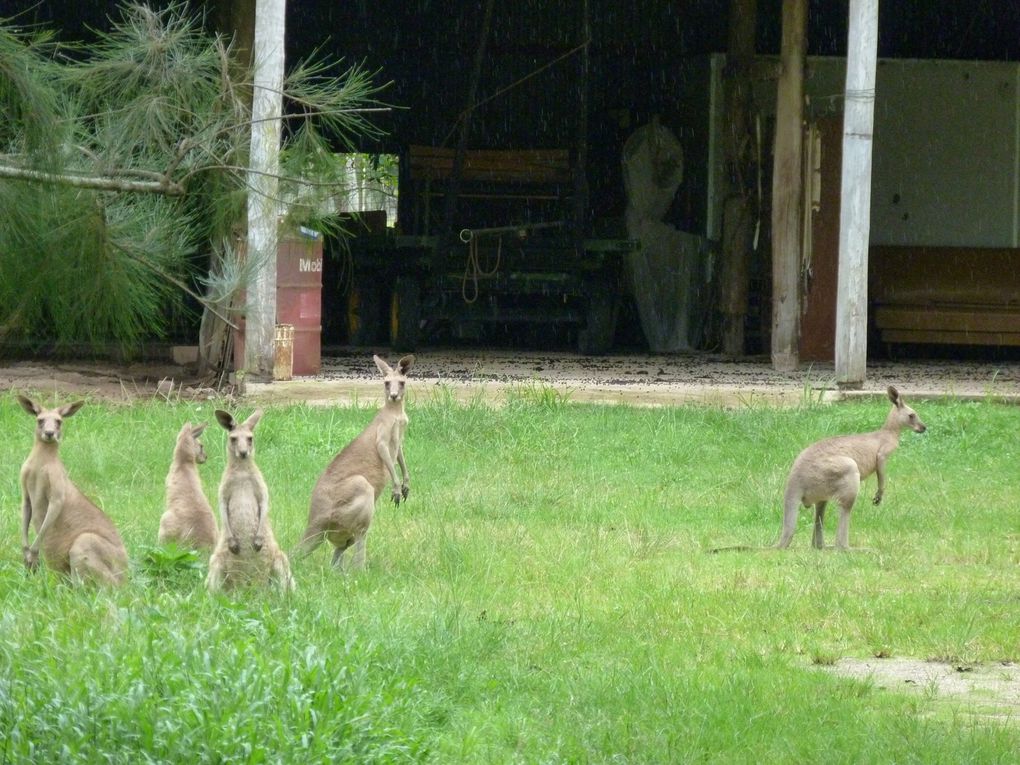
(123, 172)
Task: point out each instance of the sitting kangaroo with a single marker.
(188, 519)
(833, 469)
(343, 500)
(76, 537)
(246, 551)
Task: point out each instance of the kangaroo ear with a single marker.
(29, 405)
(894, 396)
(253, 420)
(385, 368)
(197, 430)
(68, 409)
(405, 363)
(225, 419)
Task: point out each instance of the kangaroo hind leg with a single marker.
(846, 498)
(818, 540)
(280, 572)
(94, 559)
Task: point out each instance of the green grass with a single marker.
(546, 595)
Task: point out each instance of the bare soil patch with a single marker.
(105, 381)
(984, 690)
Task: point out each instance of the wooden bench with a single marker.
(945, 295)
(504, 186)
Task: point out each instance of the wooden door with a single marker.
(818, 316)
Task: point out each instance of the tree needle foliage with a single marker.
(123, 172)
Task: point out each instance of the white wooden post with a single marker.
(855, 209)
(787, 191)
(264, 166)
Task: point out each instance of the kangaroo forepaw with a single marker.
(877, 500)
(234, 545)
(405, 490)
(257, 542)
(395, 496)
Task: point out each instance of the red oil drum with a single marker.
(299, 296)
(298, 300)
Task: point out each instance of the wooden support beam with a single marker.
(739, 147)
(855, 212)
(787, 190)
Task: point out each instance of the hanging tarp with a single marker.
(663, 271)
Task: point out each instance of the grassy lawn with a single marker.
(545, 595)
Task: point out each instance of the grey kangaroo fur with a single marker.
(833, 469)
(75, 536)
(188, 519)
(246, 551)
(343, 500)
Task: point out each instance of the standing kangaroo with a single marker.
(188, 519)
(246, 550)
(75, 536)
(343, 500)
(832, 469)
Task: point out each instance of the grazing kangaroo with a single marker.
(188, 519)
(833, 469)
(343, 500)
(75, 536)
(246, 551)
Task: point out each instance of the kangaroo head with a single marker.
(394, 379)
(241, 441)
(902, 416)
(189, 448)
(48, 422)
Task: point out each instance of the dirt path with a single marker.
(641, 379)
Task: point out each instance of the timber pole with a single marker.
(787, 190)
(855, 209)
(738, 216)
(264, 164)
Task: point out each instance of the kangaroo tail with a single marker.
(791, 509)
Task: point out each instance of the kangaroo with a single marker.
(832, 469)
(246, 550)
(188, 518)
(75, 536)
(343, 500)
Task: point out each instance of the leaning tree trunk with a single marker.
(215, 335)
(234, 19)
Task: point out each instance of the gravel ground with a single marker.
(648, 379)
(643, 379)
